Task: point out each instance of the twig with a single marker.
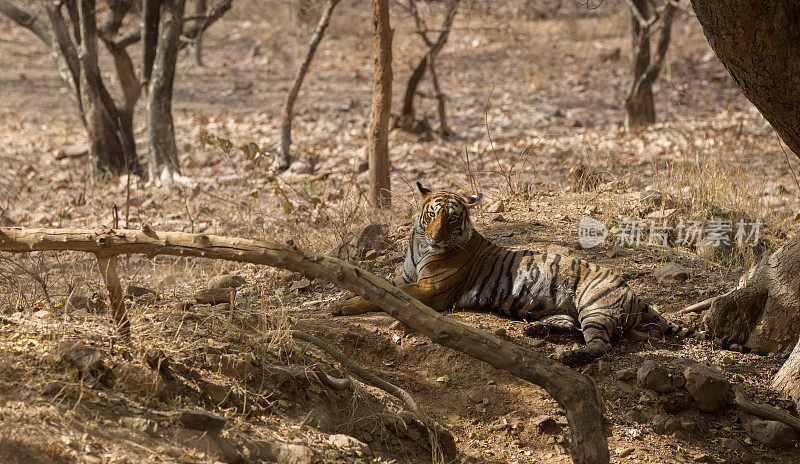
(439, 433)
(699, 307)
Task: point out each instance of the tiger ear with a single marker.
(424, 192)
(474, 199)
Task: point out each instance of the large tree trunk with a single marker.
(758, 41)
(379, 188)
(283, 158)
(763, 311)
(787, 380)
(164, 165)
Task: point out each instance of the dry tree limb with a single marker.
(331, 382)
(440, 434)
(575, 392)
(698, 307)
(764, 410)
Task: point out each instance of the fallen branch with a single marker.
(575, 392)
(698, 307)
(439, 434)
(764, 410)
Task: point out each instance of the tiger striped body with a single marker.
(449, 265)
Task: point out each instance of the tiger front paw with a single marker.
(351, 306)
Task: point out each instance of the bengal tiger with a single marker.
(449, 265)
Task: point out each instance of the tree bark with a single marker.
(758, 41)
(575, 392)
(283, 158)
(164, 165)
(200, 8)
(151, 13)
(639, 106)
(787, 380)
(379, 187)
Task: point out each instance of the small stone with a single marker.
(665, 424)
(773, 434)
(623, 452)
(283, 453)
(52, 389)
(672, 273)
(690, 425)
(475, 397)
(300, 285)
(140, 424)
(90, 459)
(603, 368)
(226, 281)
(135, 291)
(496, 207)
(498, 218)
(625, 374)
(214, 296)
(341, 440)
(85, 358)
(708, 386)
(42, 314)
(197, 419)
(654, 377)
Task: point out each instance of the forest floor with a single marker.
(533, 102)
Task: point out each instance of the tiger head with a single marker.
(444, 218)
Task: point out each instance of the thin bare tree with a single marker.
(283, 155)
(639, 104)
(379, 187)
(407, 119)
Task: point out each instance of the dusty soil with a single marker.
(553, 106)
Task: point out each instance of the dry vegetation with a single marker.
(530, 100)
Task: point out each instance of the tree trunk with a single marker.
(164, 165)
(379, 188)
(200, 8)
(575, 392)
(758, 41)
(151, 12)
(639, 106)
(762, 311)
(787, 380)
(283, 158)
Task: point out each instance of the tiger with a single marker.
(450, 265)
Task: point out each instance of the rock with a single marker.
(140, 424)
(690, 426)
(282, 453)
(737, 450)
(654, 377)
(91, 459)
(557, 250)
(672, 273)
(623, 452)
(496, 207)
(197, 419)
(226, 281)
(135, 292)
(341, 440)
(52, 389)
(233, 367)
(217, 393)
(625, 374)
(71, 151)
(42, 314)
(651, 197)
(675, 403)
(603, 368)
(770, 433)
(85, 358)
(498, 218)
(214, 296)
(608, 53)
(708, 386)
(475, 397)
(213, 445)
(360, 240)
(300, 285)
(665, 424)
(546, 425)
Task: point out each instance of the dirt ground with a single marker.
(532, 104)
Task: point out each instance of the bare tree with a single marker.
(161, 55)
(108, 122)
(639, 105)
(379, 188)
(406, 120)
(283, 156)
